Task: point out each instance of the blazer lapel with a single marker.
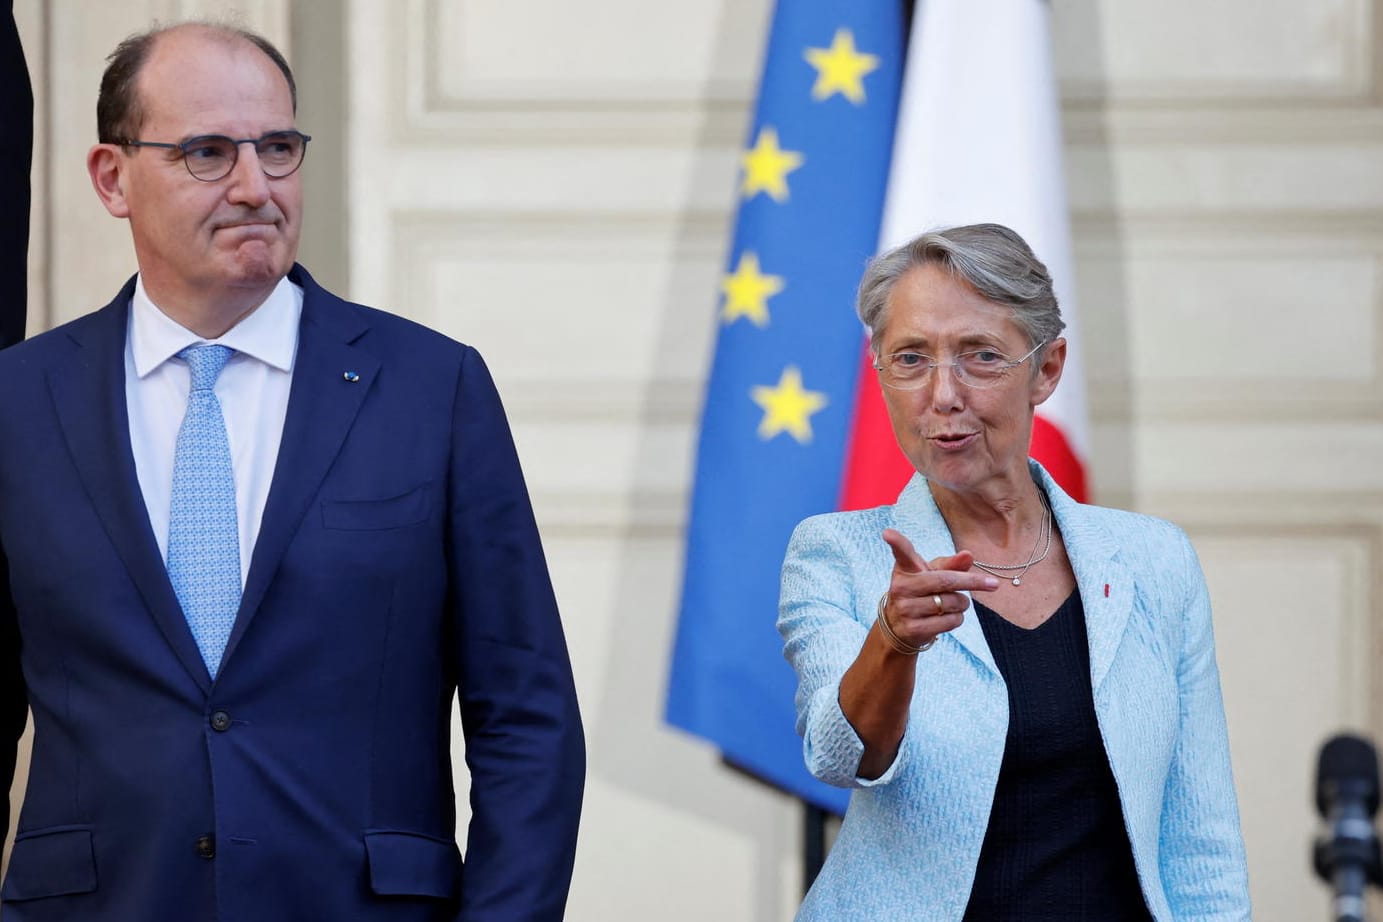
(89, 396)
(1106, 586)
(322, 405)
(916, 516)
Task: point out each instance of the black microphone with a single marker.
(1347, 853)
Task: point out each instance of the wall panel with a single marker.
(1234, 320)
(1296, 647)
(1182, 52)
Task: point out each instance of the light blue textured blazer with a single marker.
(911, 839)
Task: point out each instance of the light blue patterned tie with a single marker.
(203, 537)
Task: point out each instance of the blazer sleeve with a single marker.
(821, 639)
(1202, 850)
(524, 743)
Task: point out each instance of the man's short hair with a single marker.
(119, 115)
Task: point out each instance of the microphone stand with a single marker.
(1346, 853)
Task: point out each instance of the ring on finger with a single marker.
(940, 609)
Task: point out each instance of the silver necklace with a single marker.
(994, 569)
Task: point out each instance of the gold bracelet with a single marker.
(893, 639)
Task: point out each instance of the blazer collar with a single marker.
(1106, 586)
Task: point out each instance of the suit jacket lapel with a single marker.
(916, 516)
(1106, 586)
(322, 405)
(89, 397)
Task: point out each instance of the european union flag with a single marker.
(782, 389)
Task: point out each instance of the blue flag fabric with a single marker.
(782, 385)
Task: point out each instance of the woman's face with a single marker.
(959, 437)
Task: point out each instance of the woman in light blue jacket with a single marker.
(1061, 753)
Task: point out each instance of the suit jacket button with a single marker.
(206, 847)
(220, 721)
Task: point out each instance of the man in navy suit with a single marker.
(256, 538)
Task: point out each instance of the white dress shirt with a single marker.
(253, 391)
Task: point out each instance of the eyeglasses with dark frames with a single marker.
(210, 157)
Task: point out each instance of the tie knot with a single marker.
(206, 363)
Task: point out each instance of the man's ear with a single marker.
(106, 165)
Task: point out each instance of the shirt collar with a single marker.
(268, 333)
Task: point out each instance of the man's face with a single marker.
(199, 241)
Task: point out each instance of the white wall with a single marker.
(553, 182)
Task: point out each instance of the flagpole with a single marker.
(813, 843)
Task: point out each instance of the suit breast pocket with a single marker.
(399, 511)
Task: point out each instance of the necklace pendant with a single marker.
(1017, 581)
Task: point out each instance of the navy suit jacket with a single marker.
(397, 566)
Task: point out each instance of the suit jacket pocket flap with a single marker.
(408, 864)
(373, 514)
(51, 862)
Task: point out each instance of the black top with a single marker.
(1056, 847)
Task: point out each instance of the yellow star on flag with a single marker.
(787, 407)
(747, 291)
(841, 68)
(766, 166)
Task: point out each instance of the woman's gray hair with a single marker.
(991, 258)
